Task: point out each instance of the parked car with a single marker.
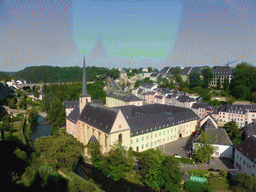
(193, 133)
(177, 156)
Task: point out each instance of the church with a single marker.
(140, 127)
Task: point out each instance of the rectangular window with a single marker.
(171, 130)
(137, 140)
(142, 146)
(167, 138)
(147, 137)
(151, 136)
(159, 133)
(131, 141)
(167, 131)
(142, 138)
(151, 144)
(244, 162)
(164, 132)
(156, 135)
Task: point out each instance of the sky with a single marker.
(126, 33)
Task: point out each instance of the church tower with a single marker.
(84, 97)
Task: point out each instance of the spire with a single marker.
(84, 92)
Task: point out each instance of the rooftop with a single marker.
(247, 148)
(148, 118)
(124, 97)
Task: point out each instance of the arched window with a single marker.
(120, 138)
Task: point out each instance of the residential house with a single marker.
(219, 139)
(148, 86)
(249, 130)
(241, 114)
(159, 99)
(144, 75)
(221, 72)
(245, 156)
(184, 101)
(114, 99)
(201, 108)
(149, 97)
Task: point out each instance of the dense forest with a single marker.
(50, 74)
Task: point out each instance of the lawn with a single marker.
(219, 184)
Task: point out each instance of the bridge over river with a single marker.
(40, 85)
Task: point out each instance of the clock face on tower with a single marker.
(119, 126)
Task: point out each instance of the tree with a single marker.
(171, 174)
(56, 113)
(151, 162)
(207, 77)
(243, 183)
(226, 84)
(5, 125)
(194, 80)
(218, 83)
(177, 71)
(242, 92)
(159, 171)
(150, 69)
(233, 132)
(117, 163)
(204, 150)
(63, 151)
(243, 80)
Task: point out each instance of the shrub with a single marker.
(191, 186)
(222, 173)
(198, 172)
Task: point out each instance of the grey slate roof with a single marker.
(208, 124)
(201, 105)
(154, 75)
(247, 148)
(221, 136)
(164, 70)
(124, 97)
(237, 108)
(74, 115)
(185, 71)
(148, 118)
(184, 98)
(159, 96)
(71, 103)
(249, 129)
(98, 116)
(140, 91)
(222, 70)
(149, 93)
(97, 101)
(147, 85)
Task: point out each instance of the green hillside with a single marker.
(50, 74)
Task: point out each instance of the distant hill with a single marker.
(50, 74)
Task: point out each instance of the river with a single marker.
(41, 129)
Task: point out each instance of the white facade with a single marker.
(220, 150)
(244, 164)
(239, 118)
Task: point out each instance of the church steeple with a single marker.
(85, 97)
(84, 91)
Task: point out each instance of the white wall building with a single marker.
(245, 156)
